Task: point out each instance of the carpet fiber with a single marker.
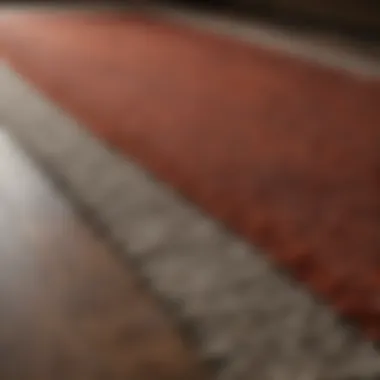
(284, 152)
(246, 318)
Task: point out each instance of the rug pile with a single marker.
(235, 177)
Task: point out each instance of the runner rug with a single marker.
(284, 152)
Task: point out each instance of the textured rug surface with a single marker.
(282, 151)
(247, 319)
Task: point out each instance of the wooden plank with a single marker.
(69, 310)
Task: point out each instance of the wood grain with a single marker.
(69, 309)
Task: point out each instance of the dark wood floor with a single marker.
(68, 309)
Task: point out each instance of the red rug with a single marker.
(284, 152)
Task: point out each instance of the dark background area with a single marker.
(360, 17)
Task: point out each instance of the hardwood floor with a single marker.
(68, 309)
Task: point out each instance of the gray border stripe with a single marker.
(247, 316)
